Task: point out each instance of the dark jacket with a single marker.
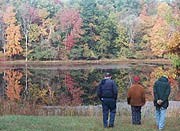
(107, 89)
(161, 91)
(136, 95)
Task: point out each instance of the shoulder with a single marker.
(141, 86)
(157, 82)
(110, 81)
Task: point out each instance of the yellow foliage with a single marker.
(163, 9)
(174, 42)
(12, 33)
(34, 32)
(46, 95)
(158, 36)
(43, 13)
(158, 72)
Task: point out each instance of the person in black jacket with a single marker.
(161, 92)
(107, 93)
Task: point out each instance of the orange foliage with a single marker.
(174, 43)
(13, 84)
(163, 9)
(12, 32)
(158, 36)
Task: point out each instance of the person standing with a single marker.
(107, 93)
(161, 91)
(136, 98)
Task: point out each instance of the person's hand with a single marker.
(159, 102)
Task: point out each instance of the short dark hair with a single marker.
(108, 74)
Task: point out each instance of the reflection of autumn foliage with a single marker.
(41, 95)
(74, 97)
(13, 84)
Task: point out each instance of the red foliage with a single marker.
(69, 41)
(70, 23)
(75, 92)
(29, 13)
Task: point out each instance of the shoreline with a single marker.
(87, 62)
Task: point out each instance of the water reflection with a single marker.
(75, 86)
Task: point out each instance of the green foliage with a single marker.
(50, 5)
(90, 14)
(76, 52)
(100, 30)
(175, 60)
(87, 53)
(43, 52)
(111, 28)
(123, 43)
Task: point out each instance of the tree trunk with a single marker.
(26, 46)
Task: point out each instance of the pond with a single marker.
(75, 85)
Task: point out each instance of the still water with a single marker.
(75, 85)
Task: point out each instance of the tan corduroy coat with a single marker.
(136, 95)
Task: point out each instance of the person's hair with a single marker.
(107, 74)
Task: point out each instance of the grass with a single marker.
(81, 123)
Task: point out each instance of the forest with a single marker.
(89, 29)
(62, 30)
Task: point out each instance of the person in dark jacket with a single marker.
(107, 93)
(136, 98)
(161, 91)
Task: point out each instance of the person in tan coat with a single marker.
(136, 98)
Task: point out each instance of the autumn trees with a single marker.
(12, 32)
(96, 29)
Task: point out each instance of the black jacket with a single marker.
(107, 89)
(161, 91)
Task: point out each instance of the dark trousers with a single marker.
(108, 106)
(136, 114)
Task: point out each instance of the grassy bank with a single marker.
(59, 123)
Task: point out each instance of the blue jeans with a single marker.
(136, 114)
(160, 117)
(108, 106)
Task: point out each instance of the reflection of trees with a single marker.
(41, 91)
(88, 80)
(43, 95)
(77, 87)
(14, 87)
(73, 96)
